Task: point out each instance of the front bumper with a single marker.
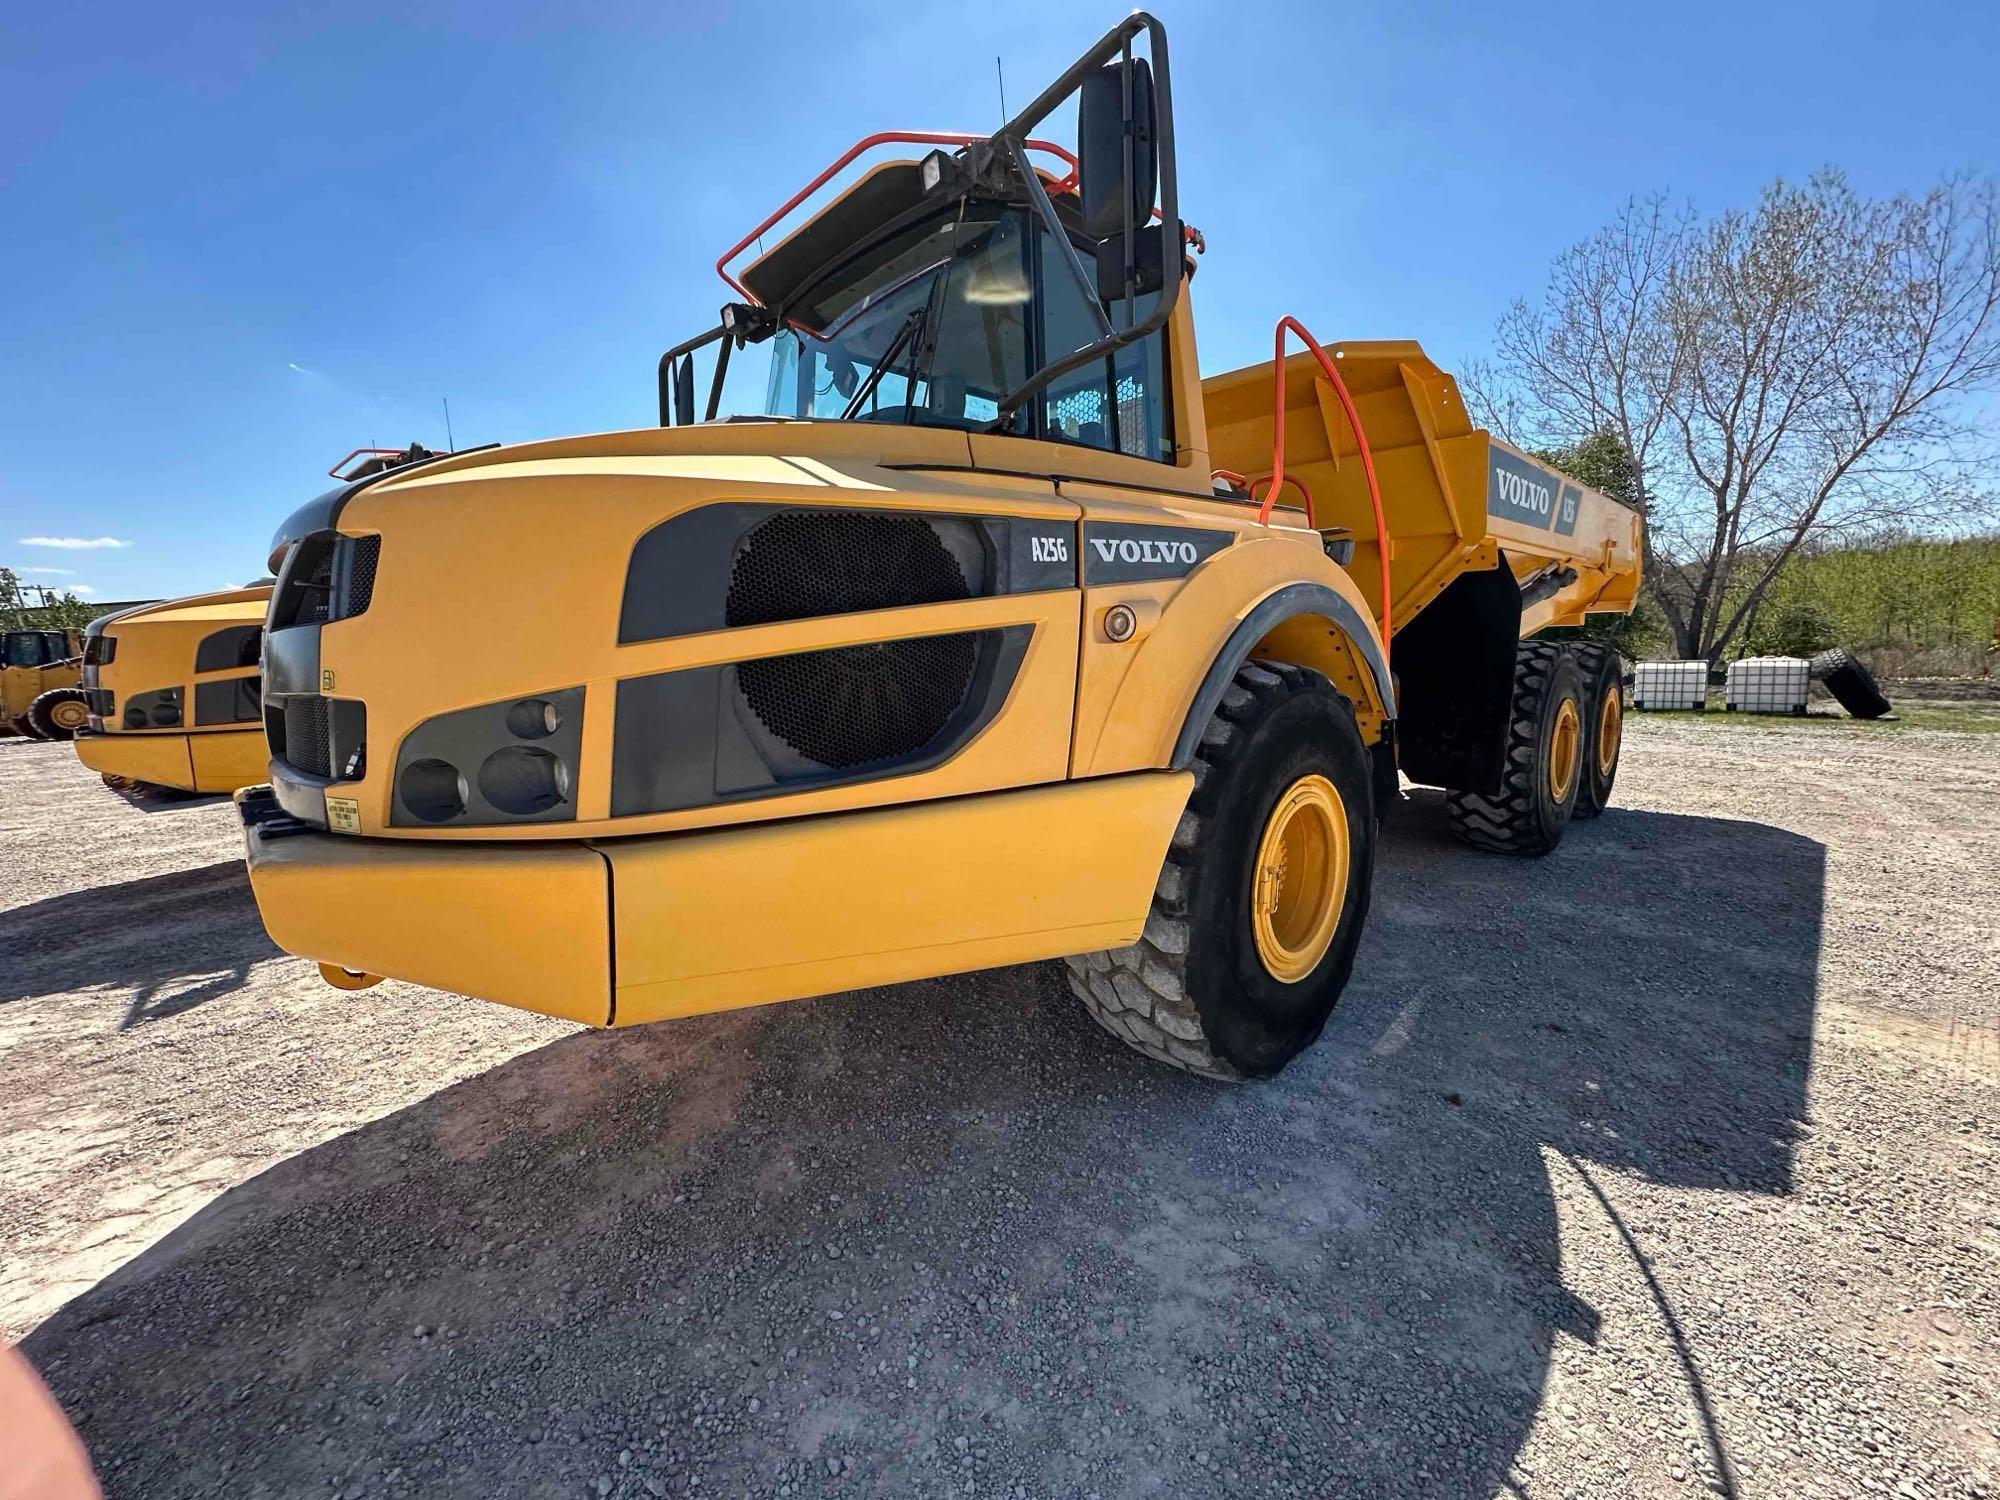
(619, 931)
(216, 760)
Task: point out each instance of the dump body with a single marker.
(174, 691)
(1455, 498)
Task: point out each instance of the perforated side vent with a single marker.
(855, 705)
(364, 553)
(308, 742)
(802, 565)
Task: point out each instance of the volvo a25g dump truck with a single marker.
(1000, 635)
(173, 693)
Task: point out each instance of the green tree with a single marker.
(1811, 371)
(19, 612)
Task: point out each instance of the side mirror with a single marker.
(684, 391)
(1101, 129)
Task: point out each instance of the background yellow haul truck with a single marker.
(974, 651)
(173, 693)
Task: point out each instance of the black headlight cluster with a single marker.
(508, 762)
(160, 709)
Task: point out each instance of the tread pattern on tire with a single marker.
(1139, 994)
(1593, 657)
(1852, 685)
(1507, 823)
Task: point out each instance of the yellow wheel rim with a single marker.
(69, 715)
(1564, 747)
(1610, 726)
(347, 979)
(1299, 883)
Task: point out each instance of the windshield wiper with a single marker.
(909, 333)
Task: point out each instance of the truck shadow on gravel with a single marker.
(171, 941)
(948, 1236)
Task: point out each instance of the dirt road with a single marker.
(1661, 1166)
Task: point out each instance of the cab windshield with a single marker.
(936, 325)
(928, 328)
(26, 648)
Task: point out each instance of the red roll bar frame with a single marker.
(846, 158)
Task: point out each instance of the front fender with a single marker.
(1276, 596)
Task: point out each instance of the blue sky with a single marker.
(240, 240)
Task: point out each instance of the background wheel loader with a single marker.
(173, 693)
(39, 670)
(1001, 636)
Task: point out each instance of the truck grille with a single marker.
(308, 735)
(854, 705)
(328, 577)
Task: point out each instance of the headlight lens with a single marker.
(433, 790)
(523, 780)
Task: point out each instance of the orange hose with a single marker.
(1360, 436)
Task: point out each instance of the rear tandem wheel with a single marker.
(1546, 739)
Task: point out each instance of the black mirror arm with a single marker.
(715, 384)
(667, 372)
(1046, 211)
(1116, 42)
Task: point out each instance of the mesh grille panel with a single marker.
(806, 564)
(854, 705)
(365, 553)
(307, 735)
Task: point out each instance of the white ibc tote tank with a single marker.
(1767, 685)
(1658, 686)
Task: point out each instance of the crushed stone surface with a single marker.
(1663, 1165)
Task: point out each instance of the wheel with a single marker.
(1604, 726)
(1264, 892)
(1851, 683)
(58, 714)
(348, 979)
(1545, 741)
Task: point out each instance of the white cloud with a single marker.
(81, 590)
(59, 572)
(300, 368)
(75, 543)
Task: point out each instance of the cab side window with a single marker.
(1118, 404)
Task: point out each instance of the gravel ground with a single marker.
(1659, 1166)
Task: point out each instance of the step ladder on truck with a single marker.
(1000, 635)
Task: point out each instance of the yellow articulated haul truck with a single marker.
(38, 673)
(173, 693)
(1001, 635)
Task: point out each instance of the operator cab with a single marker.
(977, 290)
(34, 648)
(938, 326)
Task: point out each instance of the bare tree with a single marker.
(1791, 374)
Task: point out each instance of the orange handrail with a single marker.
(1360, 436)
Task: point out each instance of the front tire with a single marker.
(1262, 899)
(58, 714)
(1544, 768)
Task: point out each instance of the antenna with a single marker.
(1000, 73)
(450, 443)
